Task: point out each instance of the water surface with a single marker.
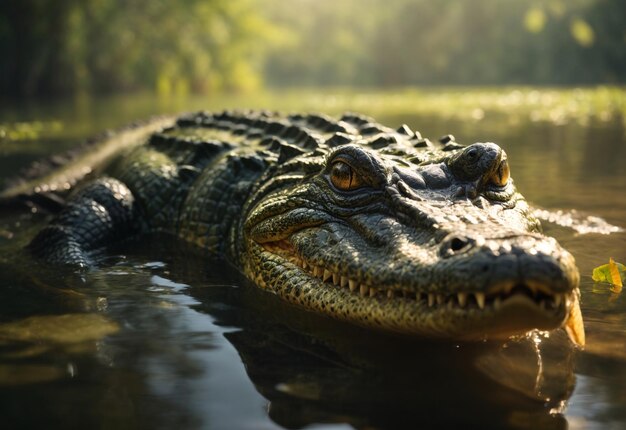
(164, 336)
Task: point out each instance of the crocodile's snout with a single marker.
(514, 279)
(502, 263)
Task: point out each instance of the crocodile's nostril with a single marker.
(456, 245)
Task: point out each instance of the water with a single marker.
(165, 336)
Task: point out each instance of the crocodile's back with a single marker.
(193, 178)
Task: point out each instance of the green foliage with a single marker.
(443, 42)
(106, 45)
(178, 47)
(28, 130)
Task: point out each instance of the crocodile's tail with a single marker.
(46, 183)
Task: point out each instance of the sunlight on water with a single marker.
(61, 329)
(579, 223)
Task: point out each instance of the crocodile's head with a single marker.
(441, 246)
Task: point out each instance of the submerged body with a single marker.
(346, 217)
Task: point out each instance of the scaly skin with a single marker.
(348, 218)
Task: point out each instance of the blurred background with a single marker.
(65, 47)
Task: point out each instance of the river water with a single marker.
(162, 335)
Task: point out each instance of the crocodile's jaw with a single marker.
(484, 310)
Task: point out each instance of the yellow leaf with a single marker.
(615, 277)
(611, 273)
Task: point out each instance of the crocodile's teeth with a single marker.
(304, 265)
(352, 285)
(480, 299)
(506, 289)
(373, 292)
(557, 300)
(389, 294)
(317, 271)
(431, 299)
(336, 278)
(497, 302)
(418, 296)
(462, 298)
(363, 290)
(327, 275)
(440, 299)
(538, 288)
(344, 281)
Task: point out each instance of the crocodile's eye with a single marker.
(344, 177)
(501, 175)
(472, 155)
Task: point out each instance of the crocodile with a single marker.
(342, 216)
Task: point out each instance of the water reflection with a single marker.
(173, 361)
(317, 371)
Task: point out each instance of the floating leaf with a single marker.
(611, 273)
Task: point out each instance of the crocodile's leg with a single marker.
(101, 213)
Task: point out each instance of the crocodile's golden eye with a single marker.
(501, 176)
(344, 177)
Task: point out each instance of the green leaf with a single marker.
(603, 274)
